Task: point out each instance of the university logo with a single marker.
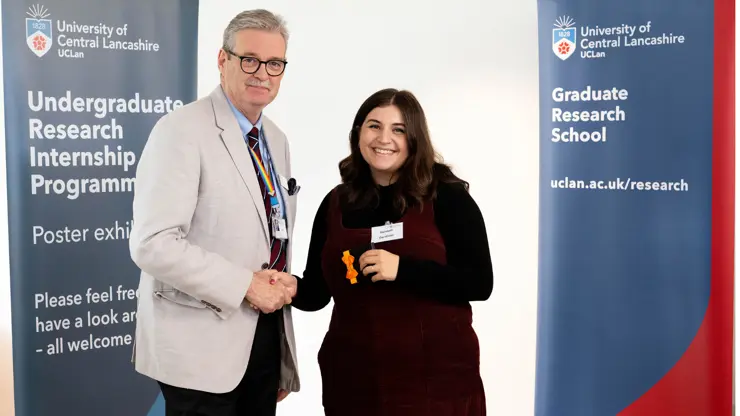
(564, 37)
(38, 30)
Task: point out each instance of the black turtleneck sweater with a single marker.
(467, 276)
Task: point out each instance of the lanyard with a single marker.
(266, 178)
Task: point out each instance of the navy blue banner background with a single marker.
(626, 214)
(121, 63)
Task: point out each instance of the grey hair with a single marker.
(254, 19)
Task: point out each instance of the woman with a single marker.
(401, 341)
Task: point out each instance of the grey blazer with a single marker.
(199, 232)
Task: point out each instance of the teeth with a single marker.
(384, 151)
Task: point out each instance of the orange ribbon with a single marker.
(351, 272)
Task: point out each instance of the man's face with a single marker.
(250, 93)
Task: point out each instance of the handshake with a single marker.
(271, 290)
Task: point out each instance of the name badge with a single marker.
(279, 228)
(388, 232)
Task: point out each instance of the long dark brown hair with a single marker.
(417, 178)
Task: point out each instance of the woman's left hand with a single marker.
(380, 262)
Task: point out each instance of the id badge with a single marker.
(279, 228)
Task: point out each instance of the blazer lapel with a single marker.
(231, 135)
(275, 146)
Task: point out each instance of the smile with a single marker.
(383, 151)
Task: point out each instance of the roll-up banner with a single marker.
(84, 83)
(635, 314)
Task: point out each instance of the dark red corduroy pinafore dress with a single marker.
(389, 351)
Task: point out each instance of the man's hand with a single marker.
(288, 281)
(381, 262)
(265, 296)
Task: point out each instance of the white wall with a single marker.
(474, 69)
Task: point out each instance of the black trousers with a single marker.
(256, 394)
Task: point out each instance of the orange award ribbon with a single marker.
(348, 260)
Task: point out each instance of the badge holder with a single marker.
(279, 229)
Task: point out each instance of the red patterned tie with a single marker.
(277, 249)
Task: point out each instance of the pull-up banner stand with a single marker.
(636, 208)
(84, 83)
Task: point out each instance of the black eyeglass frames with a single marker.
(250, 64)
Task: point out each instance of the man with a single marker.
(213, 216)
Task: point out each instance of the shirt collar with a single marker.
(244, 124)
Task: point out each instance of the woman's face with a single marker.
(383, 142)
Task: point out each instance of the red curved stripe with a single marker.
(701, 381)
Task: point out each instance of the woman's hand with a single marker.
(380, 262)
(282, 394)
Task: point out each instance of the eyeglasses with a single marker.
(250, 64)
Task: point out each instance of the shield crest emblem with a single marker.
(38, 35)
(564, 42)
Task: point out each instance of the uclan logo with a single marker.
(564, 38)
(38, 30)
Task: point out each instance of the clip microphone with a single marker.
(292, 187)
